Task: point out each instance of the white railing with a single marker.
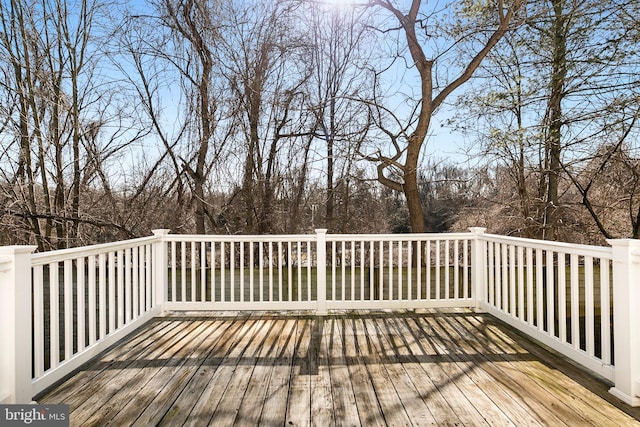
(559, 294)
(580, 300)
(399, 271)
(286, 272)
(82, 301)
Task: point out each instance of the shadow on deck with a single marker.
(372, 368)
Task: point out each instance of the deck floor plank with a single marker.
(560, 385)
(432, 367)
(128, 349)
(207, 403)
(344, 404)
(258, 383)
(322, 413)
(235, 393)
(383, 381)
(274, 410)
(408, 348)
(112, 392)
(369, 409)
(157, 374)
(164, 401)
(299, 397)
(107, 366)
(446, 376)
(185, 402)
(517, 413)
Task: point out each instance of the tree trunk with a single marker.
(553, 146)
(411, 190)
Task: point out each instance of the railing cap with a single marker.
(17, 250)
(477, 230)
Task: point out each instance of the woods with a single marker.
(280, 116)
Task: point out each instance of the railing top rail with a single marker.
(313, 236)
(570, 248)
(239, 237)
(405, 237)
(72, 253)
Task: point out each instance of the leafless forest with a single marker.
(281, 116)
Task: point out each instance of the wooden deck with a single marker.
(401, 369)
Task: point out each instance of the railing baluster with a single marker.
(465, 266)
(447, 281)
(242, 268)
(530, 301)
(504, 277)
(193, 271)
(280, 277)
(173, 272)
(419, 270)
(456, 272)
(214, 282)
(499, 277)
(492, 279)
(91, 295)
(605, 311)
(54, 313)
(343, 276)
(270, 259)
(589, 305)
(372, 271)
(400, 272)
(334, 277)
(309, 266)
(135, 283)
(102, 300)
(352, 258)
(112, 291)
(521, 284)
(300, 270)
(575, 302)
(81, 303)
(142, 280)
(409, 270)
(183, 271)
(562, 297)
(512, 281)
(232, 271)
(251, 273)
(428, 269)
(550, 293)
(68, 309)
(149, 280)
(362, 268)
(437, 261)
(539, 290)
(261, 270)
(290, 273)
(38, 321)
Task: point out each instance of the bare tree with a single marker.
(60, 103)
(422, 34)
(264, 64)
(341, 122)
(577, 89)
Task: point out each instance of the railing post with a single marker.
(321, 276)
(478, 267)
(626, 319)
(160, 269)
(15, 324)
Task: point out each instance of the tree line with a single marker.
(280, 116)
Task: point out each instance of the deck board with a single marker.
(447, 367)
